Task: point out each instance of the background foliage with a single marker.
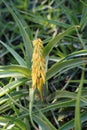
(62, 25)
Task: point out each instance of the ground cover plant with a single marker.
(60, 26)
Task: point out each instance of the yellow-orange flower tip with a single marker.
(38, 42)
(38, 66)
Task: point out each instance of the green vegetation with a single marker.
(62, 26)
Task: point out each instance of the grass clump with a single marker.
(62, 26)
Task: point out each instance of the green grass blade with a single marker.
(77, 54)
(51, 44)
(43, 121)
(14, 95)
(70, 15)
(21, 125)
(9, 87)
(77, 109)
(83, 21)
(14, 53)
(14, 71)
(63, 66)
(25, 36)
(69, 125)
(10, 122)
(31, 95)
(66, 103)
(63, 94)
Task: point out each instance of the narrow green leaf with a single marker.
(64, 65)
(42, 123)
(14, 71)
(78, 81)
(14, 53)
(83, 21)
(77, 108)
(69, 125)
(31, 95)
(61, 94)
(45, 21)
(65, 94)
(77, 54)
(25, 36)
(15, 95)
(64, 104)
(84, 3)
(9, 87)
(12, 122)
(51, 44)
(20, 124)
(70, 15)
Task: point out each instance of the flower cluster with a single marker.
(38, 66)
